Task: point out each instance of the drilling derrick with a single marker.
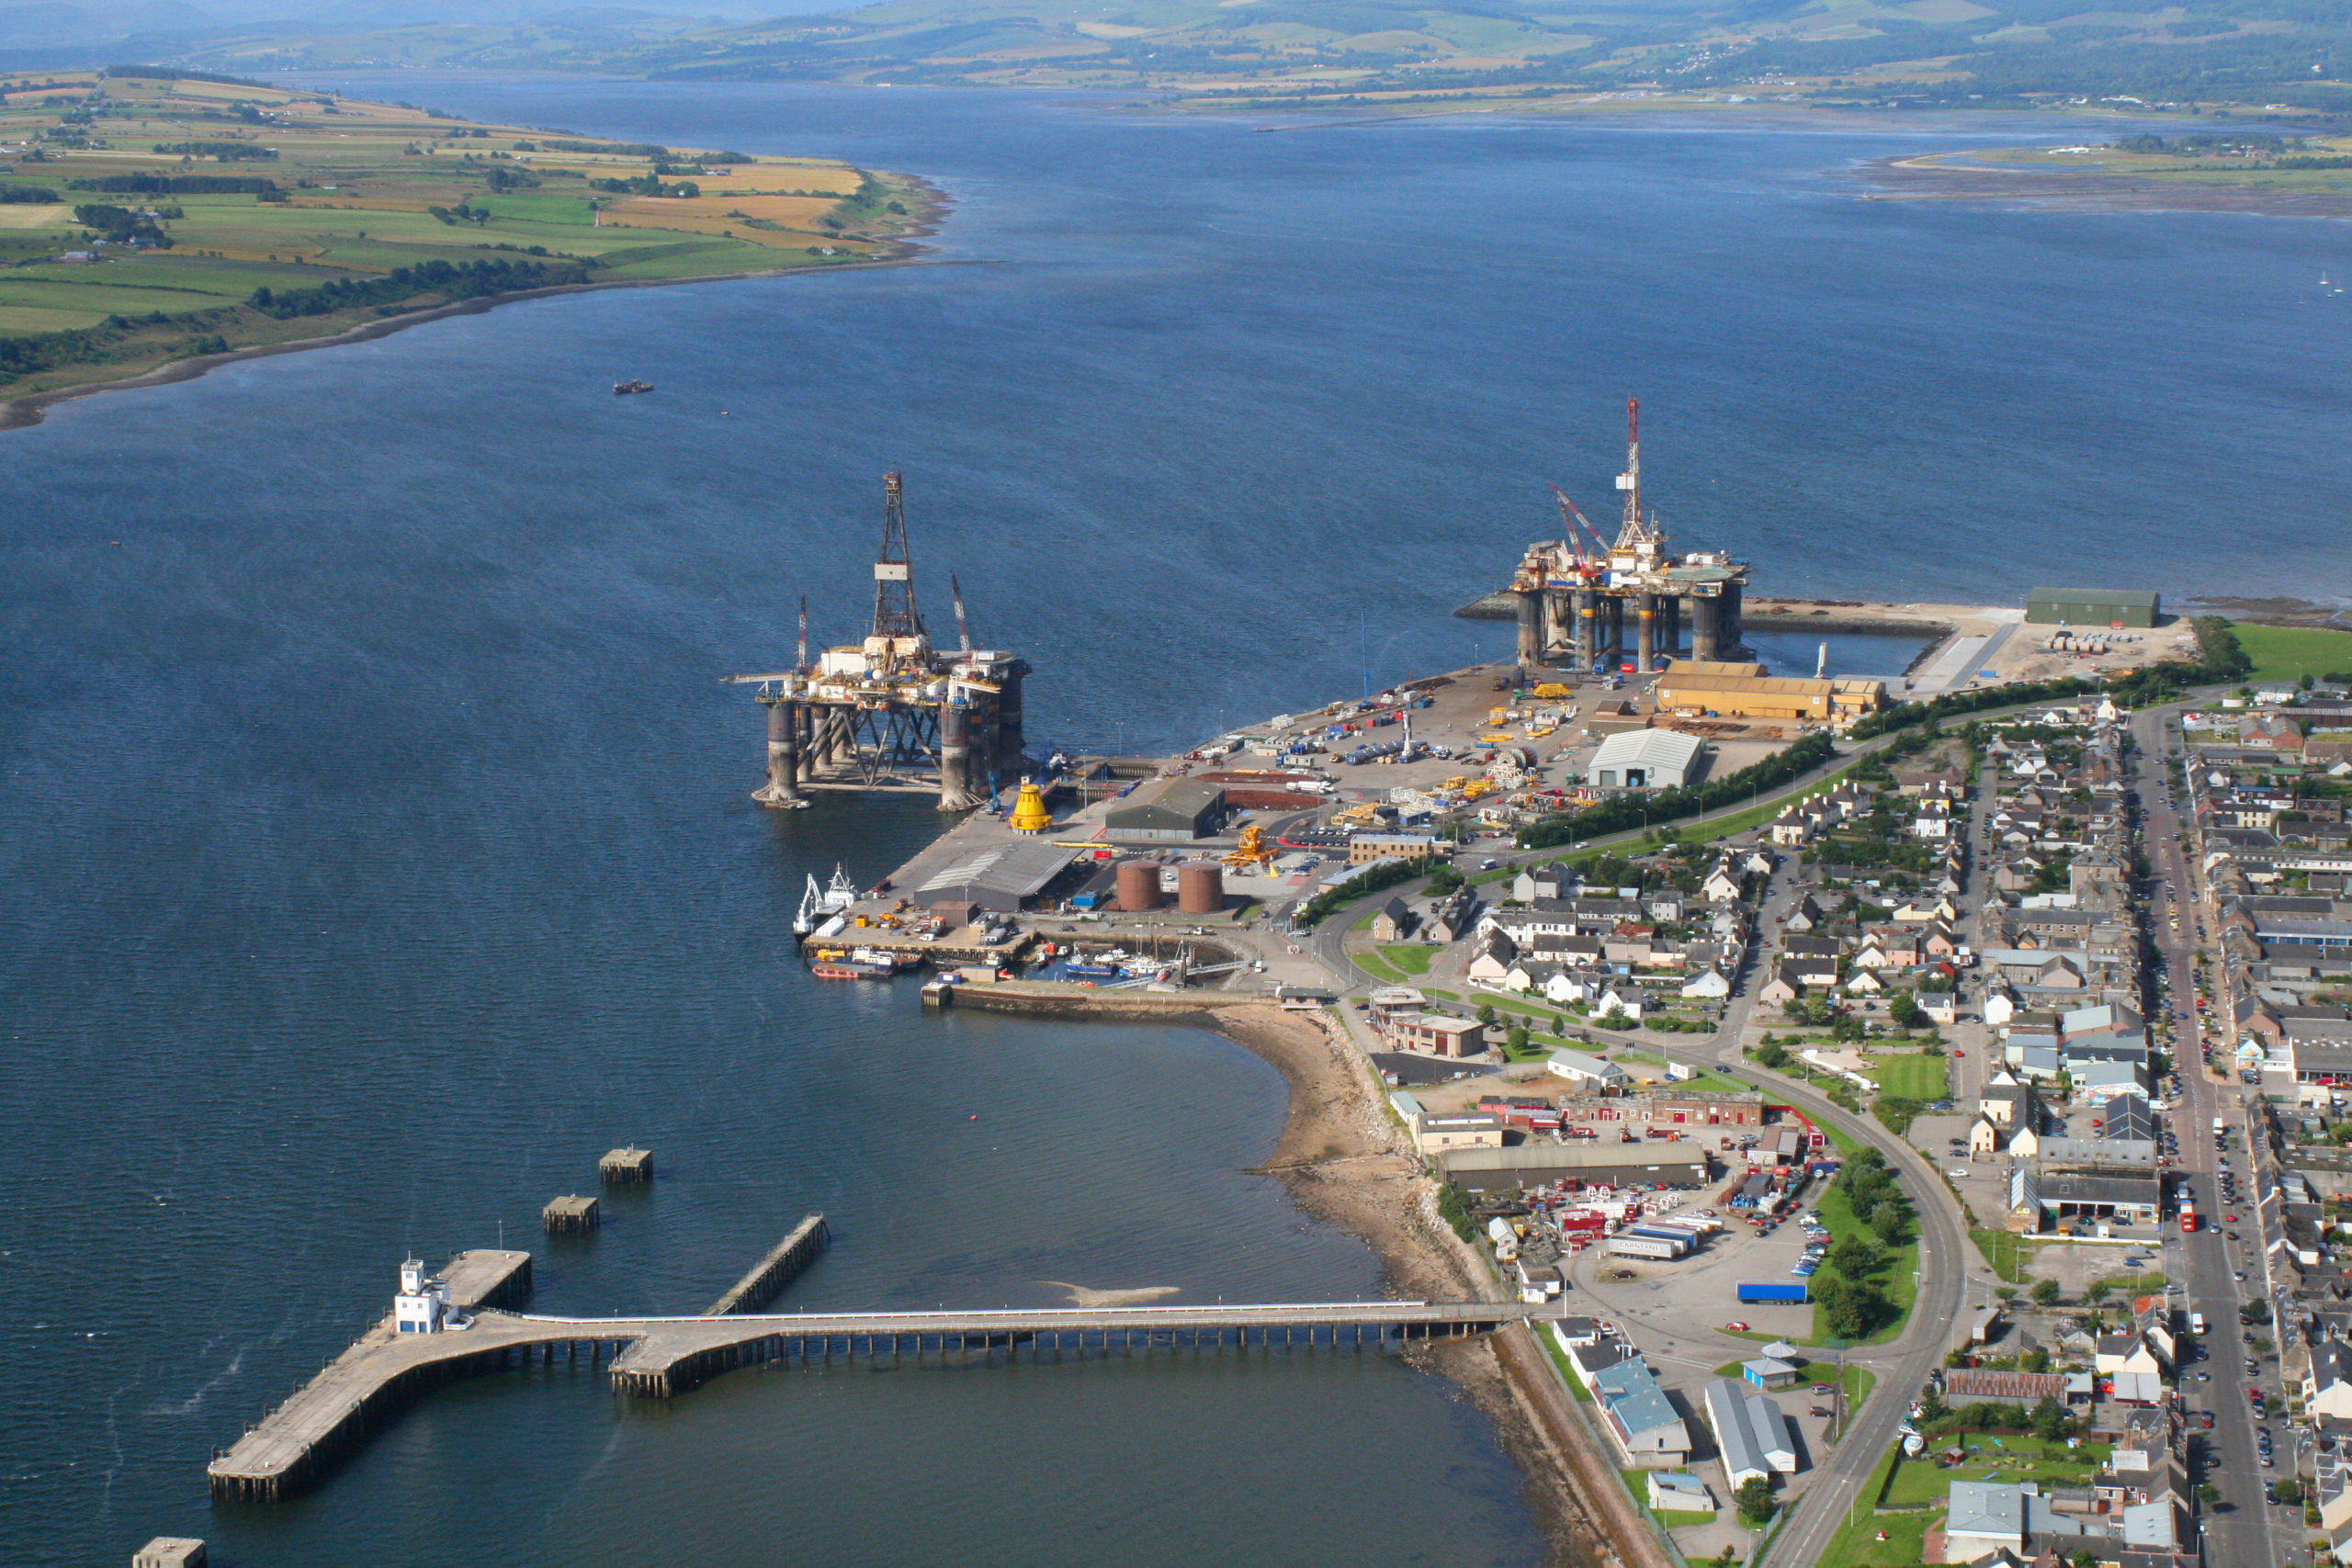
(1572, 600)
(892, 713)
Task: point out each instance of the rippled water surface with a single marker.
(376, 837)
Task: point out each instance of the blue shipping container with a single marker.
(1768, 1291)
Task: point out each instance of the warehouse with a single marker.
(1752, 1435)
(1644, 759)
(1003, 878)
(1587, 1160)
(2093, 606)
(1744, 691)
(1173, 809)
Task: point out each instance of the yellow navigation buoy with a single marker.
(1029, 813)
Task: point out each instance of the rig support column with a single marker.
(1011, 743)
(804, 725)
(783, 787)
(1645, 634)
(1727, 627)
(1530, 626)
(1616, 637)
(1704, 615)
(955, 758)
(1587, 630)
(1670, 626)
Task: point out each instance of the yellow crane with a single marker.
(1254, 853)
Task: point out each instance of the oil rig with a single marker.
(893, 713)
(1572, 600)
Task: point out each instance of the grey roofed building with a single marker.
(2123, 1197)
(1169, 809)
(1644, 759)
(1751, 1435)
(1001, 877)
(2122, 1156)
(1539, 1165)
(2128, 1118)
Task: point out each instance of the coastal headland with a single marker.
(155, 226)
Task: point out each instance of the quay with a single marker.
(770, 1274)
(335, 1410)
(660, 1357)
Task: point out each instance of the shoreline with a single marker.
(1918, 176)
(1344, 1161)
(31, 408)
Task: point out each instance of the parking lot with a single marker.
(1678, 1315)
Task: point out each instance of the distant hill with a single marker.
(2247, 54)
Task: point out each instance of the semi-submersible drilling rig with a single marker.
(893, 712)
(1572, 600)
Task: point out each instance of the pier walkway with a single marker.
(659, 1357)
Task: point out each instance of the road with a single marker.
(2244, 1530)
(1952, 1277)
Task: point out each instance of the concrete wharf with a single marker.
(626, 1168)
(660, 1357)
(772, 1273)
(335, 1410)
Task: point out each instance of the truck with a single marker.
(1647, 1246)
(1796, 1294)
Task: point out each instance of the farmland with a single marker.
(150, 218)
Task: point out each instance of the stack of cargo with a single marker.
(1635, 1244)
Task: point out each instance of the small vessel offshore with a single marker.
(629, 389)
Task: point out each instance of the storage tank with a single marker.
(1200, 887)
(1139, 885)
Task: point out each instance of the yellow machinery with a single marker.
(1029, 813)
(1550, 690)
(1254, 853)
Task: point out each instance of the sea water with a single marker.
(377, 835)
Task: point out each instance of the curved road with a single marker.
(1952, 1276)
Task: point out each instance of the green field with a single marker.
(1911, 1076)
(118, 255)
(2289, 653)
(1412, 960)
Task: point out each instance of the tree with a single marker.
(2288, 1491)
(1755, 1500)
(2096, 1291)
(2051, 1421)
(2045, 1292)
(1487, 1014)
(1515, 1038)
(1887, 1221)
(2084, 1559)
(1615, 1017)
(1772, 1056)
(1932, 1406)
(1854, 1257)
(1904, 1010)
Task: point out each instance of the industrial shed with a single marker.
(2094, 606)
(1001, 877)
(1176, 810)
(1539, 1165)
(1644, 759)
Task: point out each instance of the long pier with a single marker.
(772, 1273)
(660, 1357)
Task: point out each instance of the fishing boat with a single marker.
(1091, 971)
(630, 388)
(816, 904)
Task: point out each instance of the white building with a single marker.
(423, 1304)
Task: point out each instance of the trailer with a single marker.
(1689, 1240)
(1772, 1290)
(1647, 1246)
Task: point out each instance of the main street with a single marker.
(2242, 1530)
